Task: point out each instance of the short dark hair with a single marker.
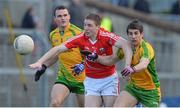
(59, 8)
(135, 24)
(95, 17)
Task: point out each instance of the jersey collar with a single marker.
(66, 28)
(138, 47)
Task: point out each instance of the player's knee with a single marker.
(55, 103)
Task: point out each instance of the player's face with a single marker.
(134, 36)
(90, 28)
(62, 17)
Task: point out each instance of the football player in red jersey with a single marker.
(101, 82)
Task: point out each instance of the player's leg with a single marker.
(109, 100)
(93, 101)
(150, 98)
(78, 89)
(125, 99)
(92, 92)
(58, 94)
(80, 100)
(110, 90)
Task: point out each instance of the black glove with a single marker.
(85, 52)
(89, 55)
(40, 72)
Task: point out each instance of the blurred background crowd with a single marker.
(161, 19)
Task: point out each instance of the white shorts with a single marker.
(103, 86)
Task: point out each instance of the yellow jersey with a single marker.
(69, 58)
(146, 79)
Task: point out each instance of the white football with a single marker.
(23, 44)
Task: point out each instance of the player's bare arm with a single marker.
(142, 65)
(109, 60)
(126, 47)
(51, 61)
(55, 51)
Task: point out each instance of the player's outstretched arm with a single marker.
(142, 64)
(128, 70)
(126, 47)
(51, 61)
(55, 51)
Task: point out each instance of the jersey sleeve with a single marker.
(113, 38)
(50, 38)
(73, 42)
(148, 52)
(120, 53)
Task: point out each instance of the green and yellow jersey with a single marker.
(146, 79)
(70, 58)
(120, 54)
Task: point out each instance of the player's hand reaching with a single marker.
(90, 55)
(36, 65)
(40, 72)
(127, 71)
(41, 68)
(78, 68)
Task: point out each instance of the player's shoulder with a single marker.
(78, 37)
(73, 27)
(53, 32)
(148, 50)
(103, 32)
(106, 33)
(147, 45)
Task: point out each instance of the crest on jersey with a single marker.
(102, 50)
(55, 40)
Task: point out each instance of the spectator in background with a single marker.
(28, 20)
(142, 5)
(124, 3)
(175, 9)
(1, 22)
(76, 9)
(32, 21)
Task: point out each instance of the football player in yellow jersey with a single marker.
(143, 82)
(66, 82)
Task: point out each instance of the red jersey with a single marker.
(102, 46)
